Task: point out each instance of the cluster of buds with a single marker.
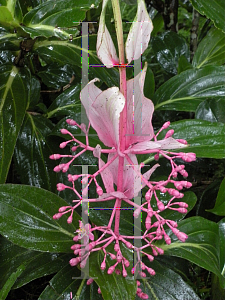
(126, 130)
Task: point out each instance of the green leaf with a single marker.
(184, 92)
(37, 264)
(26, 219)
(66, 283)
(168, 47)
(222, 251)
(10, 281)
(183, 64)
(55, 77)
(206, 139)
(202, 245)
(68, 52)
(66, 103)
(53, 18)
(14, 95)
(211, 50)
(32, 152)
(166, 284)
(219, 208)
(211, 110)
(213, 10)
(149, 86)
(9, 41)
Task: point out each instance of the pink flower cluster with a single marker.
(124, 126)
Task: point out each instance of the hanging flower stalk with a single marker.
(112, 113)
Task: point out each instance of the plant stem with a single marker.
(123, 115)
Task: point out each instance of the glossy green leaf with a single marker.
(68, 282)
(166, 284)
(219, 208)
(211, 50)
(26, 219)
(213, 10)
(69, 52)
(66, 103)
(183, 64)
(37, 264)
(168, 47)
(32, 152)
(55, 77)
(211, 110)
(184, 92)
(14, 95)
(202, 245)
(222, 251)
(10, 281)
(51, 18)
(149, 86)
(9, 41)
(206, 139)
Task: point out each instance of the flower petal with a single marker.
(139, 111)
(105, 48)
(139, 34)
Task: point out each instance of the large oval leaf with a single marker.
(202, 245)
(14, 95)
(219, 208)
(48, 18)
(26, 219)
(32, 152)
(167, 284)
(185, 91)
(211, 50)
(213, 10)
(211, 110)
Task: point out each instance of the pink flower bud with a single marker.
(63, 145)
(113, 256)
(63, 208)
(144, 296)
(99, 191)
(150, 257)
(61, 187)
(186, 184)
(65, 168)
(173, 223)
(160, 205)
(173, 192)
(138, 283)
(182, 210)
(154, 252)
(58, 168)
(57, 216)
(182, 236)
(188, 157)
(167, 239)
(166, 125)
(178, 185)
(99, 291)
(75, 247)
(142, 274)
(148, 195)
(156, 157)
(174, 174)
(124, 273)
(126, 263)
(119, 257)
(151, 271)
(74, 148)
(76, 238)
(75, 261)
(162, 189)
(90, 281)
(148, 223)
(128, 245)
(183, 204)
(70, 219)
(143, 266)
(169, 133)
(161, 251)
(184, 173)
(118, 272)
(103, 265)
(182, 141)
(71, 122)
(55, 156)
(72, 177)
(64, 131)
(139, 290)
(111, 270)
(83, 263)
(116, 247)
